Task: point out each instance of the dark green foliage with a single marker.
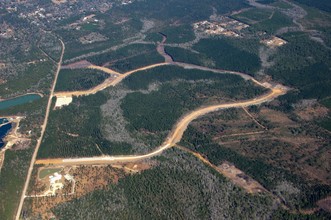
(253, 15)
(12, 178)
(271, 26)
(154, 37)
(326, 103)
(129, 57)
(266, 1)
(179, 187)
(319, 215)
(227, 56)
(187, 56)
(303, 64)
(79, 79)
(116, 148)
(71, 37)
(324, 5)
(144, 59)
(220, 53)
(36, 77)
(326, 123)
(180, 34)
(269, 176)
(81, 118)
(159, 110)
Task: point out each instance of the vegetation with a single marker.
(227, 56)
(12, 177)
(79, 79)
(296, 191)
(220, 53)
(180, 34)
(319, 215)
(180, 186)
(254, 15)
(174, 10)
(129, 57)
(110, 27)
(271, 25)
(324, 5)
(303, 64)
(173, 99)
(35, 77)
(73, 131)
(45, 172)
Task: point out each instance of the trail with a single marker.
(175, 135)
(178, 130)
(112, 81)
(104, 69)
(43, 128)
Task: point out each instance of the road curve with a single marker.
(112, 81)
(43, 128)
(175, 135)
(104, 69)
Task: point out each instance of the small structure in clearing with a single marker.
(240, 178)
(274, 42)
(62, 101)
(220, 26)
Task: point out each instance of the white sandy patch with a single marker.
(62, 101)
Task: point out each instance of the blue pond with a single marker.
(3, 120)
(18, 101)
(3, 132)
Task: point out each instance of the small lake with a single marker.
(3, 120)
(3, 132)
(18, 101)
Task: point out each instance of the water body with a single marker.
(3, 120)
(19, 101)
(3, 132)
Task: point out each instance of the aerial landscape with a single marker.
(165, 109)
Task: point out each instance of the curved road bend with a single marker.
(107, 83)
(43, 128)
(174, 137)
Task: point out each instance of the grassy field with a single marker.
(48, 171)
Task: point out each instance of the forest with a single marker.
(180, 186)
(218, 53)
(79, 79)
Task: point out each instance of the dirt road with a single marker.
(174, 137)
(43, 128)
(104, 69)
(112, 81)
(179, 129)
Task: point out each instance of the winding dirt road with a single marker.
(104, 69)
(178, 130)
(175, 135)
(112, 81)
